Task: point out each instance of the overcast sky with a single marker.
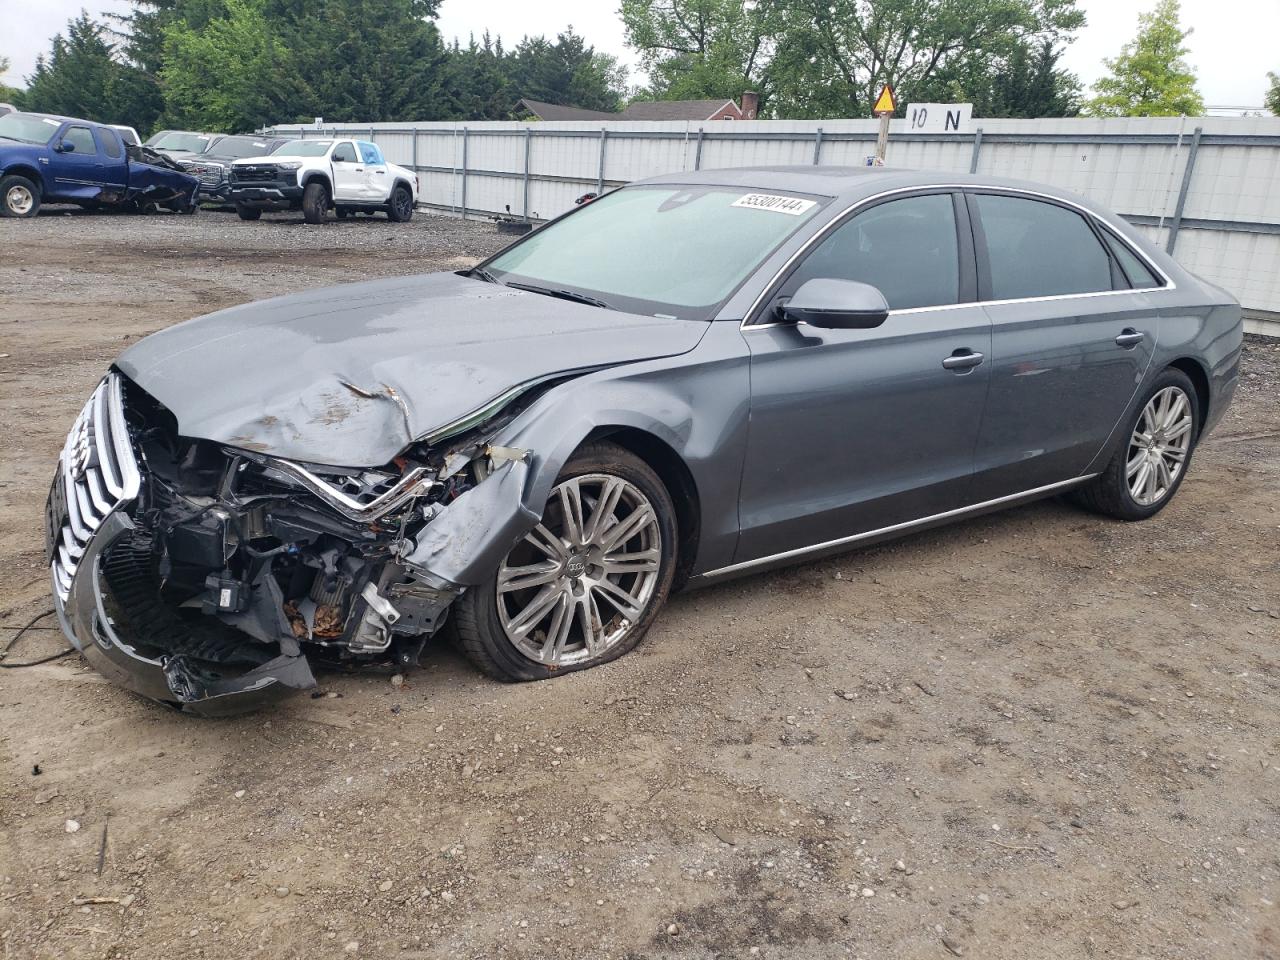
(1232, 48)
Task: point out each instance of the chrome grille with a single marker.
(209, 175)
(97, 473)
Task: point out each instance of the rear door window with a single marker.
(371, 154)
(906, 248)
(1039, 249)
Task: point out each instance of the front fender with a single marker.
(696, 404)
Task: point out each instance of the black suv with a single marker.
(212, 168)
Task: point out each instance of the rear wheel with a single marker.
(315, 202)
(400, 206)
(1147, 470)
(248, 213)
(19, 197)
(583, 586)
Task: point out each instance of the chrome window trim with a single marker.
(895, 528)
(839, 219)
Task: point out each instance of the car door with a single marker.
(377, 185)
(853, 431)
(348, 173)
(114, 171)
(75, 164)
(1070, 340)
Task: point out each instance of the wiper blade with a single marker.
(561, 294)
(480, 273)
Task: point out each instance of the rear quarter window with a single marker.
(1139, 275)
(110, 143)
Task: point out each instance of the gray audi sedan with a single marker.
(695, 377)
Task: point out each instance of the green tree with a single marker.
(1272, 98)
(816, 58)
(704, 49)
(844, 50)
(8, 94)
(1026, 82)
(1151, 77)
(82, 77)
(240, 64)
(477, 84)
(366, 59)
(232, 73)
(567, 72)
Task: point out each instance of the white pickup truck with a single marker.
(349, 176)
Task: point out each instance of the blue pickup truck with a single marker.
(63, 160)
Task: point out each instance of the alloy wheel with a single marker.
(19, 200)
(1159, 446)
(580, 581)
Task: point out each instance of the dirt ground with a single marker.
(1041, 734)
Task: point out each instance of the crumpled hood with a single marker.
(418, 353)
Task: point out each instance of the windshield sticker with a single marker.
(792, 206)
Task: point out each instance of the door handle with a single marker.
(1130, 338)
(380, 172)
(962, 359)
(359, 169)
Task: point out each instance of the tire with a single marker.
(19, 197)
(1166, 461)
(528, 646)
(400, 205)
(315, 202)
(248, 213)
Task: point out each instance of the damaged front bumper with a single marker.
(201, 576)
(85, 619)
(97, 481)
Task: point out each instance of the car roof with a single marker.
(850, 183)
(62, 119)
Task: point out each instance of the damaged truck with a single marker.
(49, 159)
(687, 379)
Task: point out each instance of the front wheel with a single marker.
(315, 202)
(586, 583)
(1147, 470)
(19, 197)
(400, 206)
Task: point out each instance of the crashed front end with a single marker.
(210, 577)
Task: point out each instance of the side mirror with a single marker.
(66, 147)
(837, 305)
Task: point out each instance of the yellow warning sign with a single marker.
(886, 103)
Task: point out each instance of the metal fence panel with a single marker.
(1206, 188)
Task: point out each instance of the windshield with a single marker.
(240, 147)
(667, 250)
(305, 148)
(28, 128)
(183, 142)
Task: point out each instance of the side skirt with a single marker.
(884, 533)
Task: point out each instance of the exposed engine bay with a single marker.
(239, 566)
